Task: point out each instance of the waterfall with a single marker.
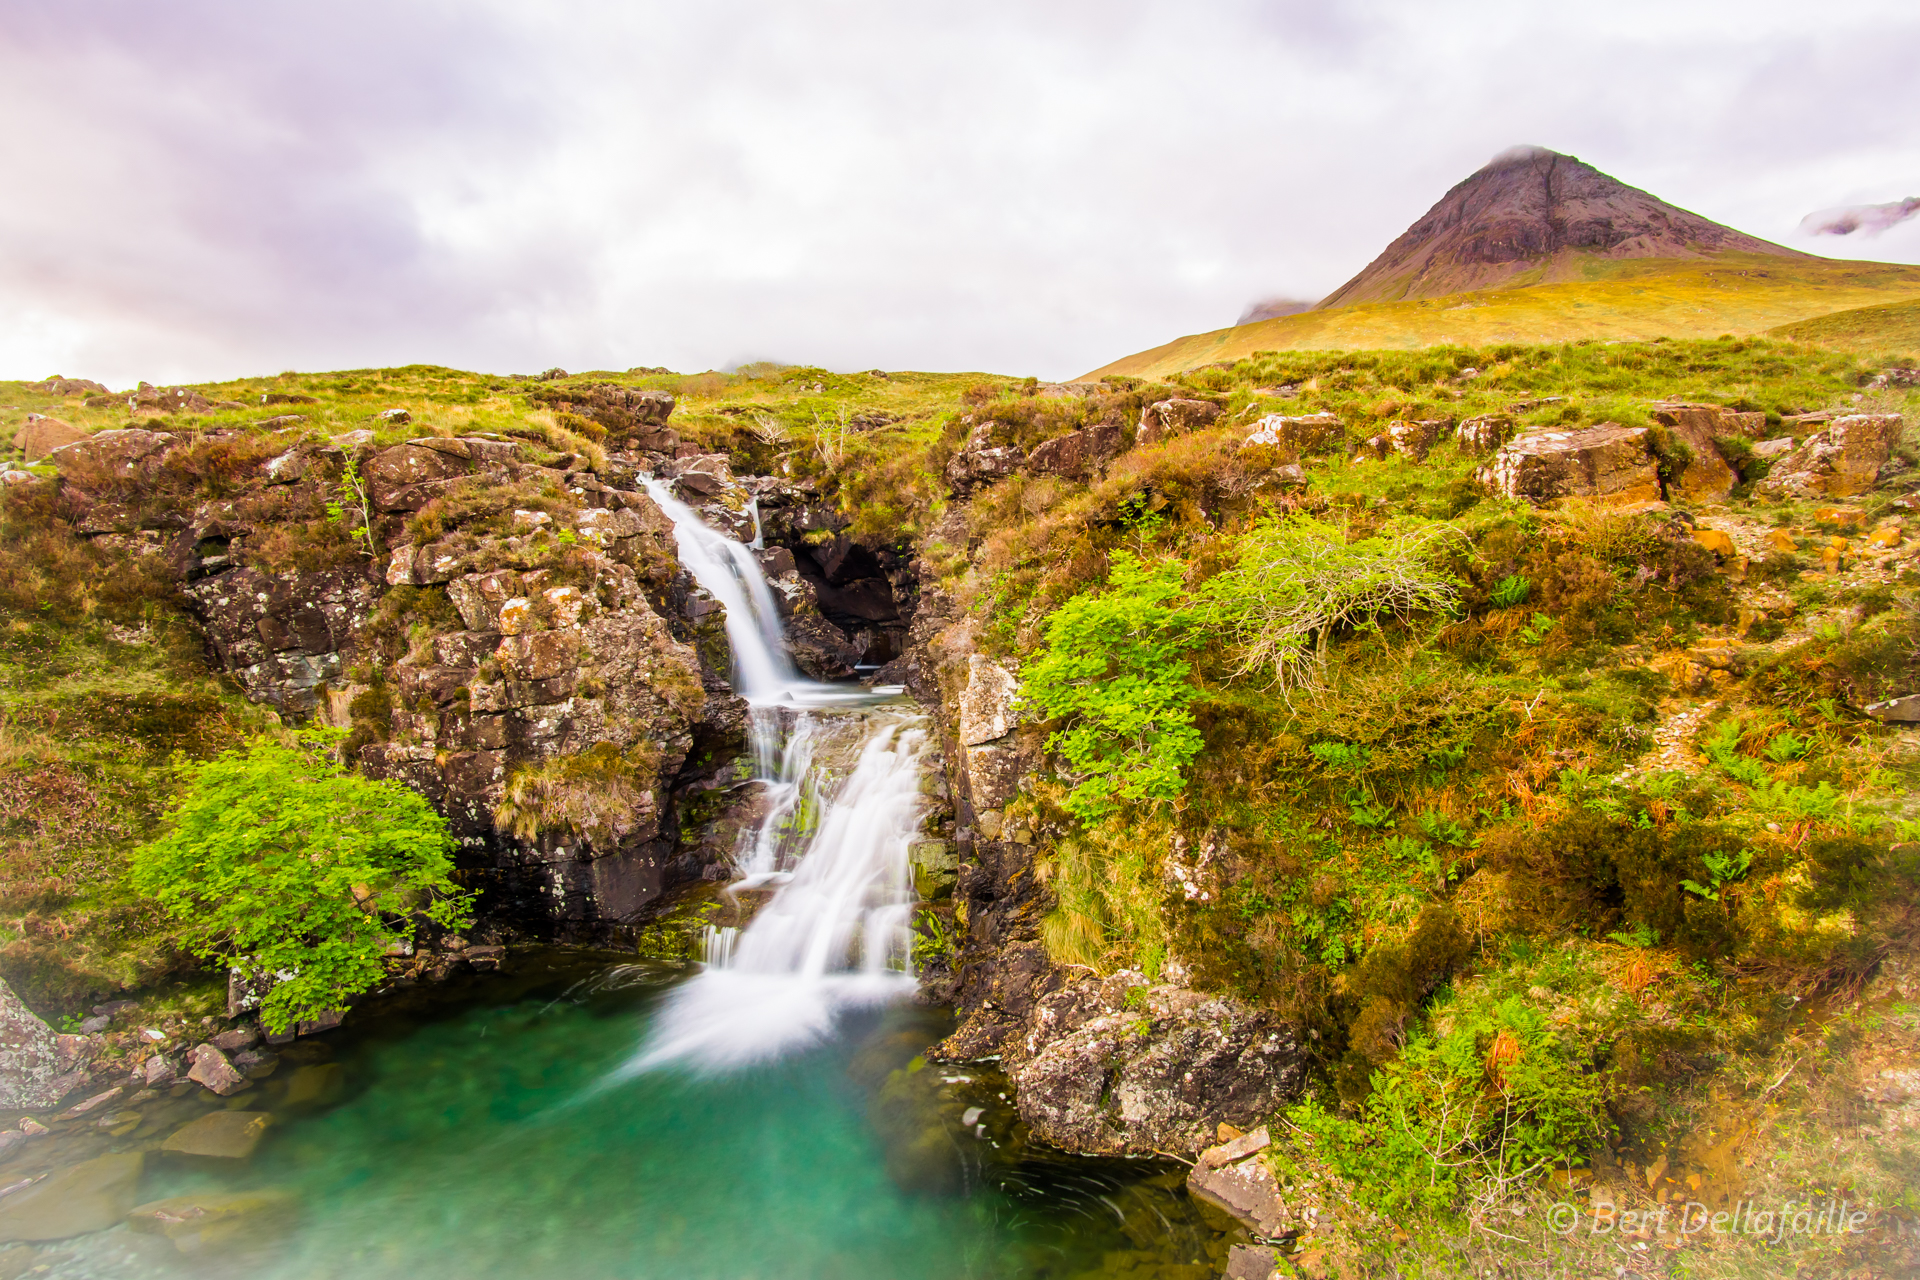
(840, 771)
(727, 571)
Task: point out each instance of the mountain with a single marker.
(1534, 216)
(1540, 247)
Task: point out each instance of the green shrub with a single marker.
(280, 862)
(1112, 668)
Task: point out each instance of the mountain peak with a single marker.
(1532, 211)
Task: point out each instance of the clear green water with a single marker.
(470, 1141)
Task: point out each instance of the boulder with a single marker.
(235, 1040)
(1100, 1071)
(702, 476)
(1233, 1178)
(220, 1135)
(1607, 461)
(1483, 433)
(1076, 455)
(1165, 419)
(59, 386)
(1839, 462)
(216, 1222)
(391, 472)
(1253, 1262)
(30, 1074)
(1297, 436)
(1706, 477)
(1897, 710)
(987, 702)
(148, 399)
(90, 1196)
(393, 417)
(633, 417)
(1416, 439)
(981, 462)
(40, 435)
(212, 1069)
(110, 457)
(1773, 448)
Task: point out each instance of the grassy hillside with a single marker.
(1631, 300)
(1889, 327)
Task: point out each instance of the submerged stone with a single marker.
(90, 1196)
(220, 1135)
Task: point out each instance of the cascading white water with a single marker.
(833, 839)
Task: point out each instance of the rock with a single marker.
(220, 1135)
(986, 704)
(95, 1024)
(1888, 535)
(702, 476)
(94, 1103)
(1607, 461)
(30, 1067)
(1252, 1262)
(935, 866)
(1700, 427)
(1897, 710)
(110, 457)
(59, 386)
(90, 1196)
(1076, 455)
(1839, 462)
(325, 1022)
(235, 1040)
(393, 417)
(633, 417)
(1416, 439)
(317, 1083)
(1716, 541)
(11, 1138)
(1168, 418)
(1238, 1147)
(980, 462)
(1483, 433)
(1773, 448)
(158, 1071)
(1096, 1074)
(1297, 436)
(13, 476)
(40, 435)
(211, 1069)
(392, 473)
(286, 397)
(212, 1222)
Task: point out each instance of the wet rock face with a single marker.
(1102, 1069)
(30, 1074)
(1843, 460)
(1608, 461)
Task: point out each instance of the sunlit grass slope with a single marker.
(1628, 300)
(1889, 327)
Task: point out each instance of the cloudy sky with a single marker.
(200, 189)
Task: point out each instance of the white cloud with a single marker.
(220, 189)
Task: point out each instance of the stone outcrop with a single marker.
(632, 418)
(1416, 439)
(1165, 419)
(1076, 455)
(111, 461)
(1295, 437)
(981, 462)
(30, 1066)
(59, 386)
(1843, 460)
(285, 636)
(1608, 462)
(1123, 1068)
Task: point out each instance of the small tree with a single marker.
(279, 860)
(1297, 581)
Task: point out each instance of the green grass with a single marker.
(1624, 301)
(1889, 327)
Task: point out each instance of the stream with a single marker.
(769, 1114)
